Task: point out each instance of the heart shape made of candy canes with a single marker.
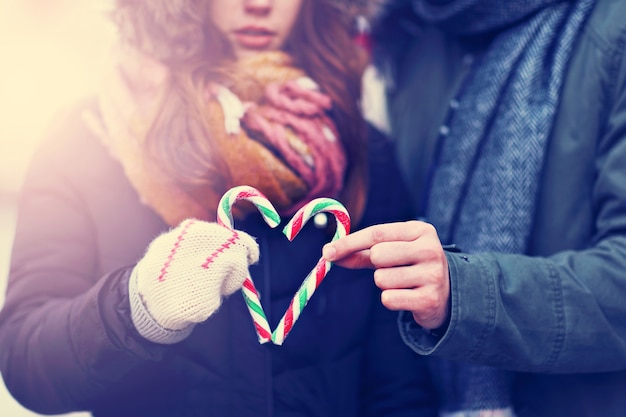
(272, 218)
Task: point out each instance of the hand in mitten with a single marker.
(184, 275)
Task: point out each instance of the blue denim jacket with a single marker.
(556, 315)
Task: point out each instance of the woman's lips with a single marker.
(254, 37)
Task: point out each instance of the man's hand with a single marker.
(410, 266)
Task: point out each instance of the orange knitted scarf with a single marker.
(269, 129)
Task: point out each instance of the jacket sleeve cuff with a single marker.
(472, 302)
(145, 324)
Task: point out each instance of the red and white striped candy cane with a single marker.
(272, 218)
(315, 277)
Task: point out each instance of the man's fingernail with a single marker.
(329, 252)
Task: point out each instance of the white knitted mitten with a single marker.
(184, 275)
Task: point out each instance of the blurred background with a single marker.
(49, 54)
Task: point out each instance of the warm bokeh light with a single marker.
(49, 51)
(49, 54)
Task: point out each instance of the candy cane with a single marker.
(291, 230)
(317, 274)
(271, 217)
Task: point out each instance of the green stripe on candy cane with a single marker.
(251, 194)
(317, 274)
(272, 218)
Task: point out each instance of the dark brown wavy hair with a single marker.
(180, 34)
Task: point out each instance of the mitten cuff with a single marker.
(145, 324)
